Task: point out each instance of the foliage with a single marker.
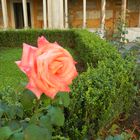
(90, 48)
(15, 38)
(133, 49)
(98, 97)
(118, 133)
(104, 89)
(34, 122)
(119, 36)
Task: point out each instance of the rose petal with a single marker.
(27, 54)
(27, 60)
(24, 69)
(42, 42)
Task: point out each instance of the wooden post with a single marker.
(5, 14)
(123, 14)
(24, 4)
(103, 5)
(44, 14)
(84, 13)
(66, 13)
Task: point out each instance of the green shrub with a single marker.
(98, 96)
(91, 49)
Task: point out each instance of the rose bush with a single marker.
(49, 68)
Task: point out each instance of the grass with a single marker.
(10, 75)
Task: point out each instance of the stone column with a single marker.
(103, 5)
(4, 13)
(24, 4)
(84, 13)
(61, 10)
(66, 13)
(44, 14)
(55, 14)
(49, 13)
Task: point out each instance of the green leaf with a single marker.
(27, 99)
(11, 111)
(118, 137)
(34, 132)
(109, 138)
(5, 133)
(14, 125)
(125, 136)
(17, 136)
(34, 118)
(19, 112)
(46, 101)
(1, 112)
(62, 98)
(56, 116)
(14, 111)
(45, 121)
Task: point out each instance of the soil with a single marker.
(132, 123)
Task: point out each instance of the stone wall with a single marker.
(93, 12)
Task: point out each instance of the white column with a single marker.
(49, 13)
(24, 4)
(61, 11)
(5, 14)
(55, 14)
(123, 15)
(66, 13)
(103, 5)
(44, 14)
(84, 13)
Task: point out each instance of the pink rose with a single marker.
(49, 68)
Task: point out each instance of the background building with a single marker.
(92, 14)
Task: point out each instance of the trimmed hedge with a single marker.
(99, 96)
(15, 38)
(102, 91)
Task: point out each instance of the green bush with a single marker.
(102, 91)
(91, 49)
(98, 96)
